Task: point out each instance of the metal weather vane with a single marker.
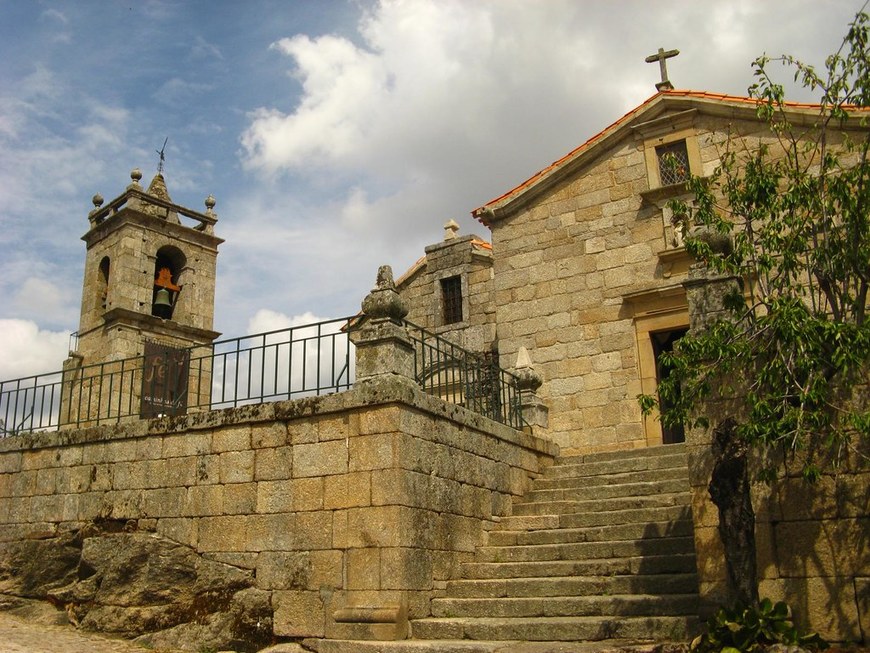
(162, 153)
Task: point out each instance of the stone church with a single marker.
(586, 268)
(370, 509)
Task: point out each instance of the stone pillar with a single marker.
(384, 366)
(535, 412)
(383, 346)
(714, 452)
(70, 398)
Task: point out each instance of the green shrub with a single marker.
(750, 629)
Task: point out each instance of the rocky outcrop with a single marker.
(138, 584)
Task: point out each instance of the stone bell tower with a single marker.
(149, 275)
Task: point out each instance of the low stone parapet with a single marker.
(351, 509)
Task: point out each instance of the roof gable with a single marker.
(669, 101)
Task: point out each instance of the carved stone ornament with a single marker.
(384, 301)
(527, 377)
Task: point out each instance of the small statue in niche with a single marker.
(680, 223)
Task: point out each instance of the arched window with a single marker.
(103, 283)
(167, 268)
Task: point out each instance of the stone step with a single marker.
(563, 629)
(622, 605)
(601, 548)
(597, 492)
(634, 531)
(622, 454)
(646, 476)
(659, 584)
(464, 646)
(602, 505)
(649, 564)
(586, 550)
(570, 468)
(580, 520)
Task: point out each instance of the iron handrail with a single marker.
(460, 376)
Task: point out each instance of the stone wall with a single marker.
(813, 544)
(351, 509)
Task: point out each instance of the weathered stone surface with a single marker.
(32, 568)
(33, 610)
(135, 583)
(245, 625)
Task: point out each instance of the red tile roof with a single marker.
(704, 95)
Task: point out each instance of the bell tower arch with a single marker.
(149, 274)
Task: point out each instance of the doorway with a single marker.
(663, 341)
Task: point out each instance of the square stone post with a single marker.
(384, 358)
(706, 291)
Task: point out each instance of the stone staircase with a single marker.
(601, 548)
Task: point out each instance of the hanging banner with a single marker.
(164, 381)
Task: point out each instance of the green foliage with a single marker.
(746, 630)
(796, 347)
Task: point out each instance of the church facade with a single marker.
(587, 264)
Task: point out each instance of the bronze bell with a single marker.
(162, 304)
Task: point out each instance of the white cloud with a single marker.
(202, 49)
(27, 350)
(37, 296)
(267, 320)
(54, 14)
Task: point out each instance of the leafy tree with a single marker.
(792, 356)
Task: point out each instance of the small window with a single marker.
(673, 163)
(451, 299)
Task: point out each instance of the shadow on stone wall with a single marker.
(817, 551)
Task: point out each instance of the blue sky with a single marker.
(336, 135)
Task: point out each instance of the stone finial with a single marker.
(527, 377)
(450, 229)
(384, 301)
(384, 280)
(97, 200)
(210, 203)
(157, 188)
(136, 176)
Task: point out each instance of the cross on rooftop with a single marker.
(660, 56)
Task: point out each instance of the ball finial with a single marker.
(97, 200)
(136, 175)
(210, 202)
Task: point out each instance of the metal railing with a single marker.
(459, 376)
(300, 361)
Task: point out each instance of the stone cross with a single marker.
(450, 229)
(660, 56)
